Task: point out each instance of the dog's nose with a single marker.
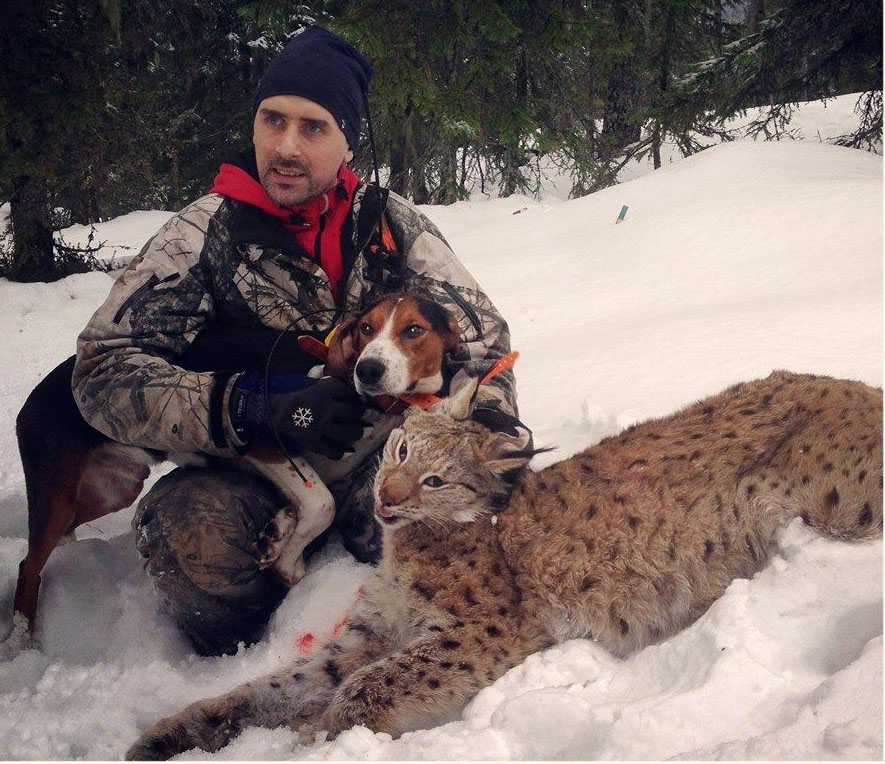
(369, 371)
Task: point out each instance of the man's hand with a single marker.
(323, 416)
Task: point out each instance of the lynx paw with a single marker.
(366, 702)
(208, 725)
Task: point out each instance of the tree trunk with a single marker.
(622, 94)
(400, 152)
(398, 166)
(656, 145)
(30, 216)
(670, 41)
(621, 101)
(755, 14)
(447, 193)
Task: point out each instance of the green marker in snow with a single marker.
(622, 214)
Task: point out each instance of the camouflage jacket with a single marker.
(224, 263)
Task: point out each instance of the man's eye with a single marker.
(366, 329)
(313, 127)
(273, 119)
(403, 451)
(412, 331)
(434, 481)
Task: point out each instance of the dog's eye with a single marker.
(410, 332)
(366, 329)
(434, 481)
(403, 451)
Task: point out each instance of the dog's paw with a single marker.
(18, 640)
(275, 535)
(208, 725)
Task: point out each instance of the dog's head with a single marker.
(396, 346)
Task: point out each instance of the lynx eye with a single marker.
(434, 481)
(403, 451)
(366, 329)
(412, 331)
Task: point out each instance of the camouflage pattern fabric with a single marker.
(224, 263)
(221, 263)
(198, 529)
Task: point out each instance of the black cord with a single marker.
(273, 348)
(267, 368)
(374, 151)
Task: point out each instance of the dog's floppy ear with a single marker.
(342, 350)
(452, 338)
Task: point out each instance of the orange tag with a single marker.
(313, 346)
(422, 400)
(502, 364)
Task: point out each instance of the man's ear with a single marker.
(343, 350)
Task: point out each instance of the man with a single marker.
(288, 238)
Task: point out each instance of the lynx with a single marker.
(485, 563)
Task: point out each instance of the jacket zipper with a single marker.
(147, 286)
(465, 306)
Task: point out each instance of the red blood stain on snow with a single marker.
(304, 642)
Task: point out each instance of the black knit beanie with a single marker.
(325, 69)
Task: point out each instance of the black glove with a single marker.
(323, 416)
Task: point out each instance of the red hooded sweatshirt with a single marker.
(316, 225)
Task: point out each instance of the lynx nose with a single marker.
(393, 491)
(369, 371)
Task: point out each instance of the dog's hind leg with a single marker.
(75, 488)
(51, 516)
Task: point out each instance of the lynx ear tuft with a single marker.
(503, 458)
(459, 406)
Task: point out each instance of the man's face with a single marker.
(299, 149)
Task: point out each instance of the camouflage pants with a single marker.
(198, 529)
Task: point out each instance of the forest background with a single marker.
(109, 106)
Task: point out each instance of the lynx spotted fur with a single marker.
(626, 543)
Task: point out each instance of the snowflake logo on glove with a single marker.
(302, 417)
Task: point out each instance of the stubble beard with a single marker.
(285, 195)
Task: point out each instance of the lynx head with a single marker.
(439, 470)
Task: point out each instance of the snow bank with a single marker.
(740, 260)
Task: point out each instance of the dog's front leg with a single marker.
(310, 511)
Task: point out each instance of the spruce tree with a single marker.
(805, 50)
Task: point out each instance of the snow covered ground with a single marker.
(745, 258)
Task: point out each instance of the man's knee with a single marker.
(199, 530)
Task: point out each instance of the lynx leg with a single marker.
(430, 679)
(295, 697)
